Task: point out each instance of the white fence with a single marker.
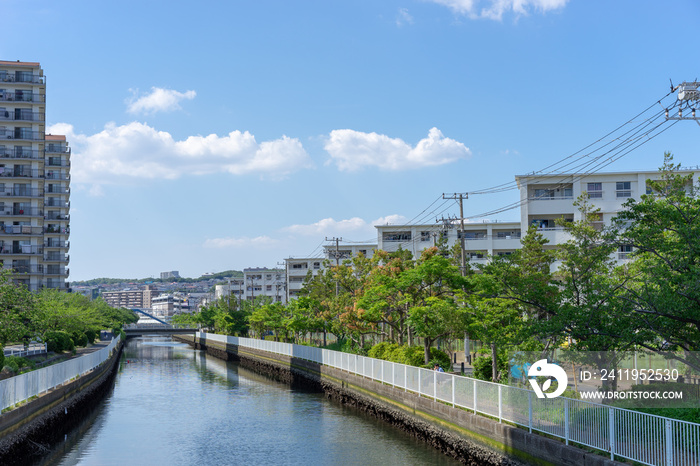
(33, 350)
(641, 437)
(24, 386)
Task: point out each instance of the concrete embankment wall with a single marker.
(28, 431)
(470, 438)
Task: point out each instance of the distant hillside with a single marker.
(111, 281)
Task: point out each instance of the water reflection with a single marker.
(174, 405)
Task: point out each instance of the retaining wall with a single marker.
(28, 431)
(470, 438)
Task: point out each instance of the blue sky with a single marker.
(222, 135)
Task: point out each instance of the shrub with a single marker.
(2, 356)
(440, 358)
(12, 365)
(484, 371)
(382, 350)
(58, 341)
(81, 340)
(20, 362)
(91, 335)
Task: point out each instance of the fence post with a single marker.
(435, 385)
(474, 396)
(419, 377)
(566, 420)
(529, 410)
(453, 391)
(500, 404)
(669, 443)
(393, 374)
(405, 378)
(611, 428)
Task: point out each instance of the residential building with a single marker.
(261, 281)
(170, 274)
(169, 305)
(137, 298)
(34, 182)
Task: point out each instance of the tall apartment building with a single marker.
(34, 182)
(139, 298)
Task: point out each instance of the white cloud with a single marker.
(332, 227)
(136, 150)
(403, 17)
(494, 9)
(258, 242)
(353, 150)
(159, 100)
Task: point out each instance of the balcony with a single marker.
(17, 135)
(17, 212)
(20, 230)
(57, 203)
(54, 243)
(21, 96)
(22, 116)
(57, 271)
(57, 190)
(56, 230)
(56, 216)
(21, 77)
(16, 172)
(57, 149)
(60, 258)
(57, 176)
(20, 153)
(21, 191)
(24, 269)
(57, 284)
(14, 249)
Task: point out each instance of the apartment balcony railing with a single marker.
(22, 78)
(57, 163)
(62, 258)
(24, 154)
(56, 149)
(558, 197)
(57, 190)
(60, 271)
(20, 230)
(21, 191)
(16, 135)
(14, 249)
(29, 269)
(56, 244)
(22, 116)
(57, 230)
(8, 172)
(57, 176)
(57, 284)
(57, 203)
(16, 212)
(508, 236)
(20, 96)
(56, 216)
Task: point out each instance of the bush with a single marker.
(440, 358)
(19, 362)
(81, 340)
(382, 350)
(2, 356)
(12, 365)
(91, 335)
(484, 371)
(58, 341)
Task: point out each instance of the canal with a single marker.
(178, 406)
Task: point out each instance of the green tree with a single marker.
(16, 310)
(663, 230)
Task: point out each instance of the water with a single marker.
(177, 406)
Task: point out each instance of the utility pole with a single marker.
(461, 197)
(337, 259)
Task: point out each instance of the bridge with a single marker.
(135, 330)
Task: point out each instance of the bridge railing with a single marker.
(24, 386)
(644, 438)
(153, 326)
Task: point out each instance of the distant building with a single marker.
(169, 305)
(141, 299)
(171, 274)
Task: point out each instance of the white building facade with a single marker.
(34, 182)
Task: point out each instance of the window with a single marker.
(317, 265)
(624, 189)
(299, 266)
(397, 236)
(544, 193)
(624, 251)
(425, 236)
(595, 190)
(472, 235)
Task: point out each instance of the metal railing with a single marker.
(24, 386)
(22, 116)
(24, 153)
(21, 78)
(645, 438)
(33, 350)
(21, 96)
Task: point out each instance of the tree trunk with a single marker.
(494, 363)
(426, 347)
(410, 337)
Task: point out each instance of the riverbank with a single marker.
(469, 438)
(27, 431)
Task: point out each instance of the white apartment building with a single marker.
(544, 199)
(298, 268)
(34, 182)
(256, 281)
